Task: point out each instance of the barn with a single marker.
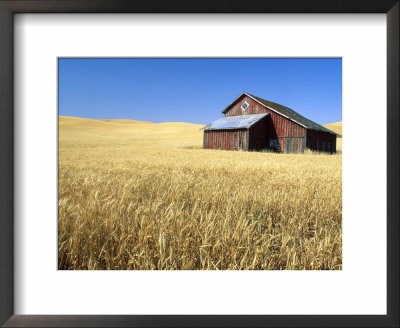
(253, 123)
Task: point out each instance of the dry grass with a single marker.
(136, 195)
(335, 127)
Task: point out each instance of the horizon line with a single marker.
(129, 119)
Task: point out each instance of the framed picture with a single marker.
(56, 53)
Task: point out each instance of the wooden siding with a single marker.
(226, 139)
(292, 144)
(283, 126)
(278, 126)
(321, 141)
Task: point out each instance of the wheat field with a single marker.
(141, 196)
(335, 127)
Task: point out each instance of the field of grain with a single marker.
(335, 127)
(142, 196)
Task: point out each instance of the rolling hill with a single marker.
(169, 134)
(335, 127)
(140, 133)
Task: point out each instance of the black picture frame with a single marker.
(10, 7)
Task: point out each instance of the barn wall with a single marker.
(321, 141)
(292, 144)
(226, 139)
(279, 127)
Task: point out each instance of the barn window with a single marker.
(245, 105)
(273, 143)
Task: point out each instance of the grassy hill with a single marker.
(335, 127)
(138, 133)
(141, 133)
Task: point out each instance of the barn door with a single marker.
(235, 141)
(288, 145)
(238, 141)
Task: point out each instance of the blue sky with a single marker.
(196, 90)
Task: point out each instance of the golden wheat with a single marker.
(142, 196)
(335, 127)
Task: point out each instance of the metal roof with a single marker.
(235, 122)
(287, 112)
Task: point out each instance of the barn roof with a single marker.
(235, 122)
(287, 112)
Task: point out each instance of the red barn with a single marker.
(253, 123)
